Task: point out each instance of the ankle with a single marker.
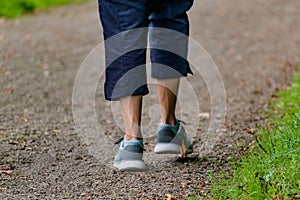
(130, 137)
(170, 120)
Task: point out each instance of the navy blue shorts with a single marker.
(127, 25)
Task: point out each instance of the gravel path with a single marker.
(255, 43)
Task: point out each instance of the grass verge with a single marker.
(15, 8)
(271, 169)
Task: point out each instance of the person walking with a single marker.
(132, 21)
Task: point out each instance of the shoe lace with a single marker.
(118, 141)
(181, 121)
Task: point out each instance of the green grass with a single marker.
(15, 8)
(271, 169)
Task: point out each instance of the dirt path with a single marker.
(256, 45)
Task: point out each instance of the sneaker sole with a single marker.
(131, 165)
(167, 148)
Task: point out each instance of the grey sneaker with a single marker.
(172, 140)
(130, 155)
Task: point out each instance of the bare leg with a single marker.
(167, 96)
(131, 110)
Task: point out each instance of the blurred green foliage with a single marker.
(15, 8)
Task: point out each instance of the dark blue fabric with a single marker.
(118, 16)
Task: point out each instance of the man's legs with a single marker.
(125, 74)
(132, 107)
(131, 110)
(171, 134)
(130, 153)
(168, 55)
(167, 96)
